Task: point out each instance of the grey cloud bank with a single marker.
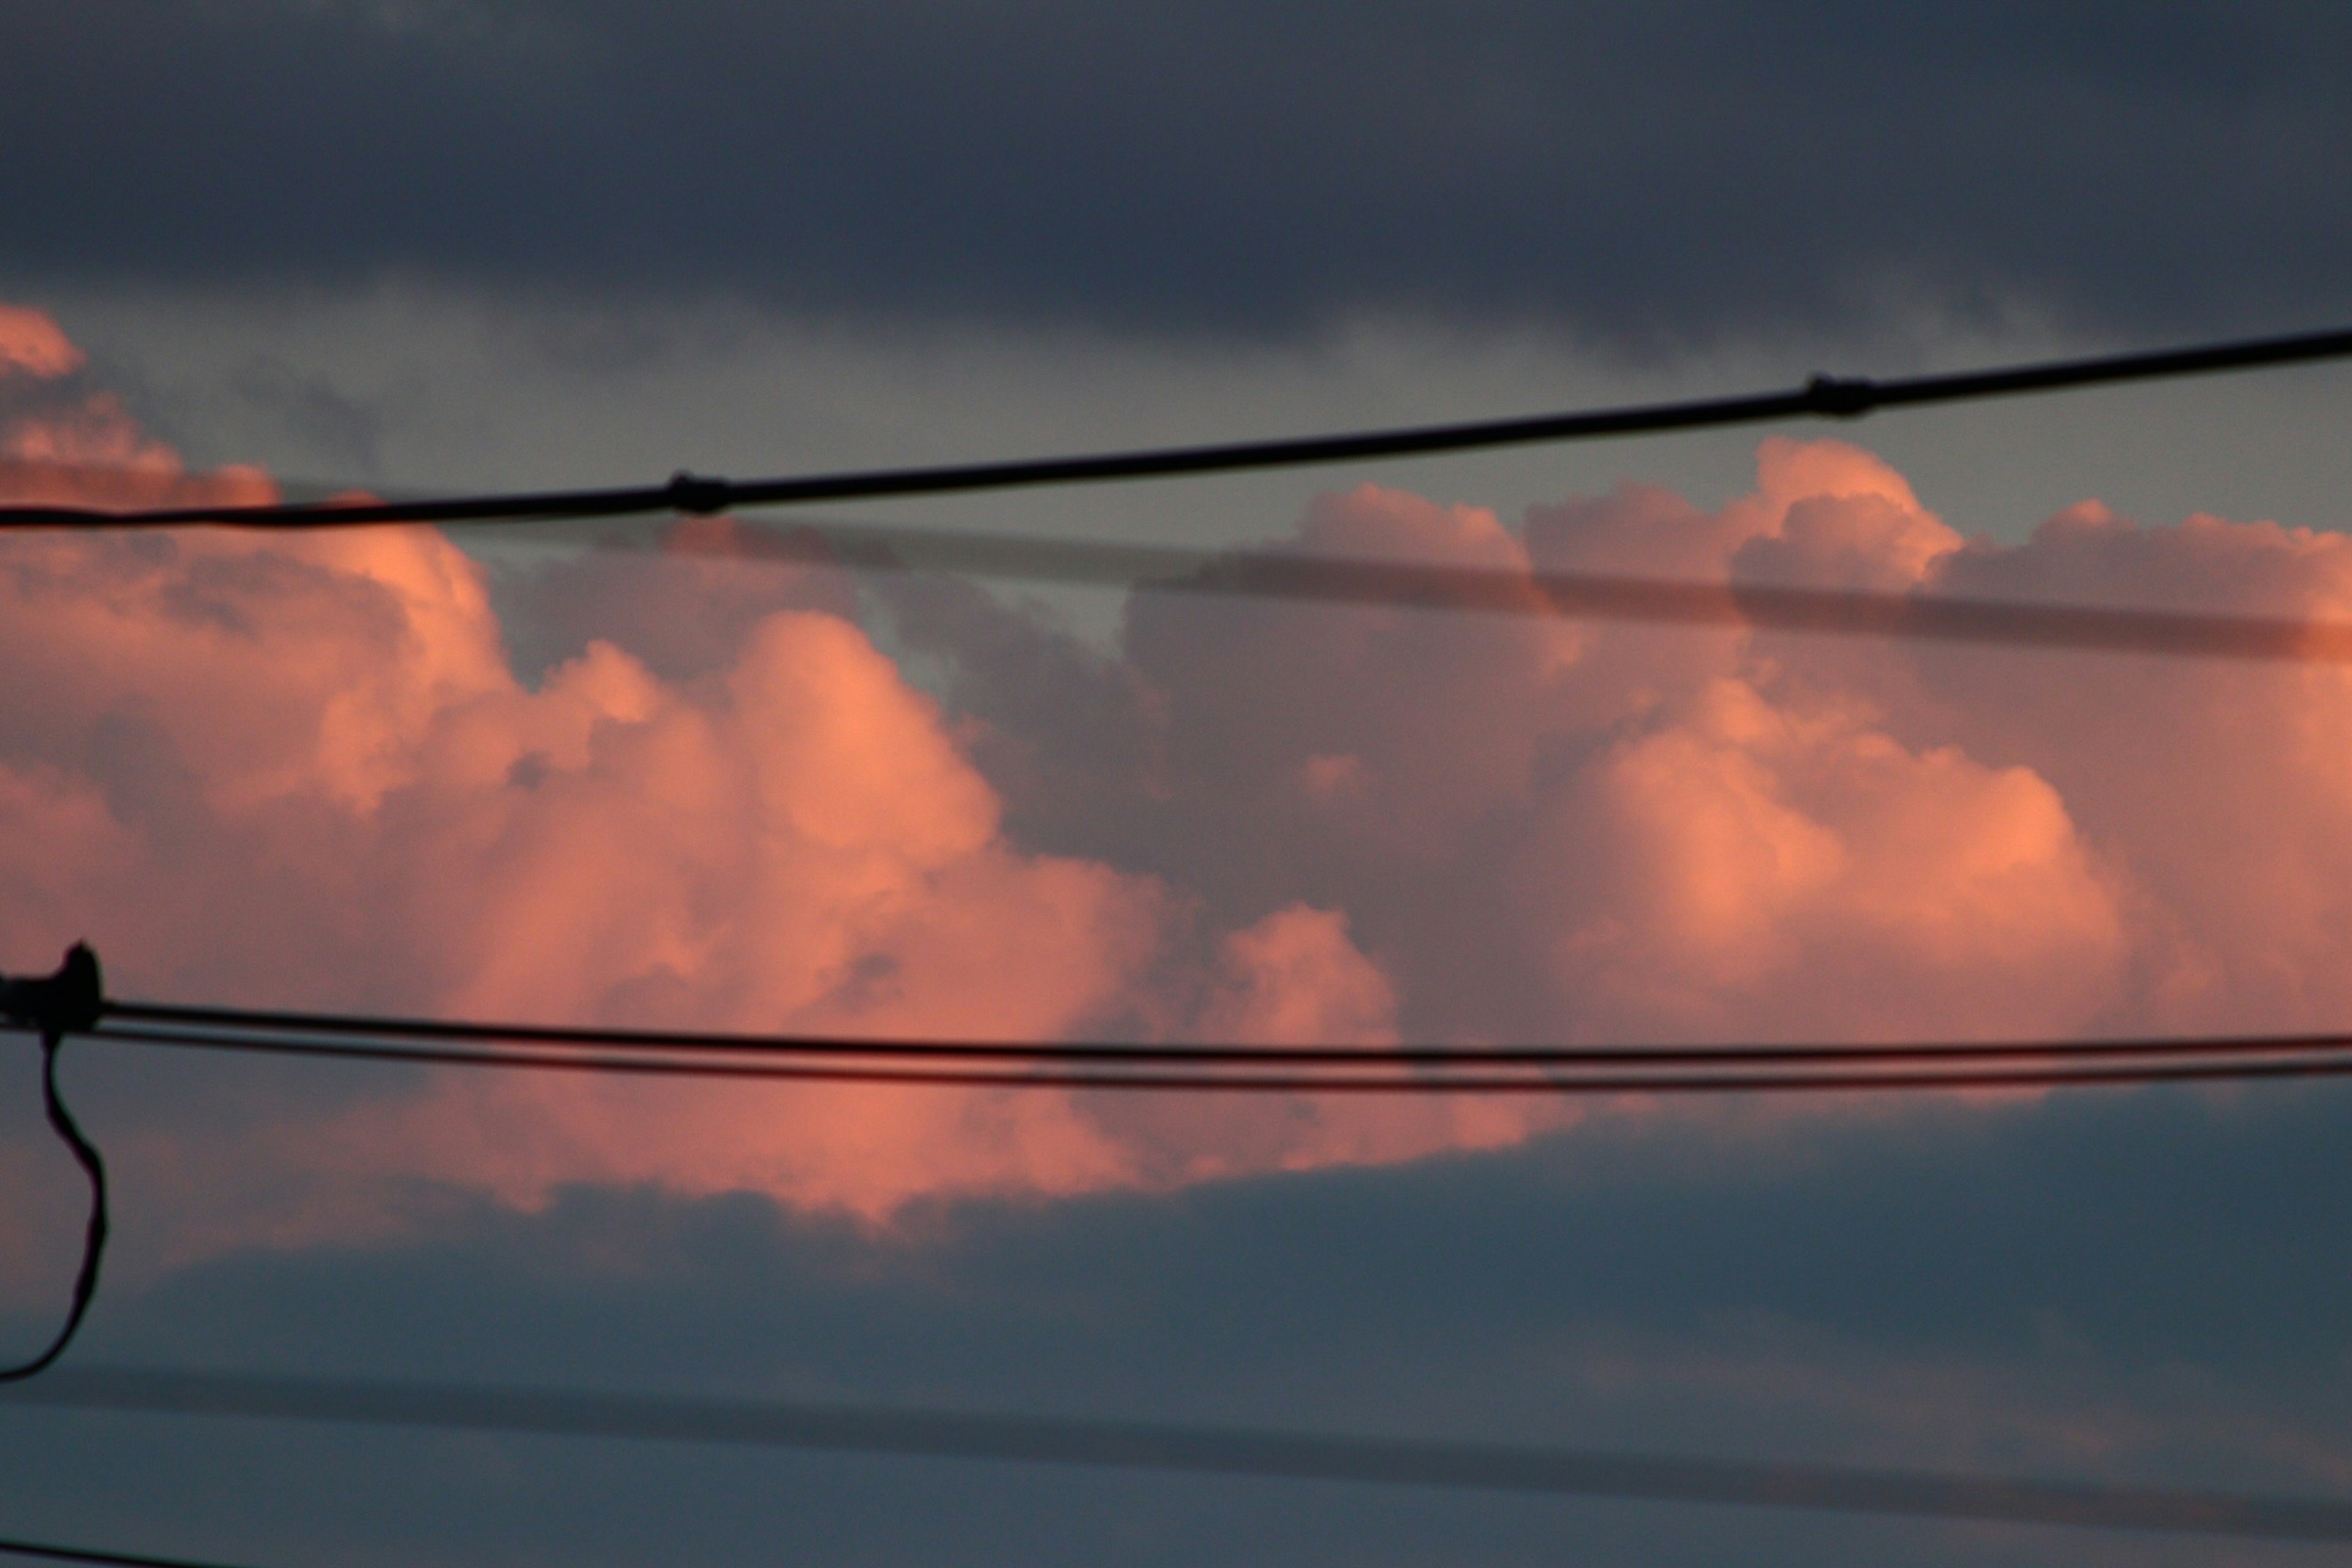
(1647, 177)
(2135, 1287)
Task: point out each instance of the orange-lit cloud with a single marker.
(300, 769)
(304, 770)
(31, 344)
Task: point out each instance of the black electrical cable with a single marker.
(1127, 1444)
(56, 1553)
(248, 1021)
(51, 1005)
(1295, 576)
(93, 1251)
(2055, 1076)
(1821, 397)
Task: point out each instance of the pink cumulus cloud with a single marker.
(1558, 829)
(305, 770)
(301, 769)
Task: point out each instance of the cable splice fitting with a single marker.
(68, 1002)
(1840, 398)
(698, 496)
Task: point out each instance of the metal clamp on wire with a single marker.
(71, 1000)
(1840, 398)
(698, 496)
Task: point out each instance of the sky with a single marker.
(653, 774)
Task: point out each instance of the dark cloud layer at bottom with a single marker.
(2140, 1289)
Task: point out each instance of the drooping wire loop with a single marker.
(70, 1001)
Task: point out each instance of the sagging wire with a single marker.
(1821, 397)
(68, 1002)
(1229, 1067)
(51, 1551)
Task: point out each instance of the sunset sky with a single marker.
(653, 774)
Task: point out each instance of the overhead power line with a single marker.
(1864, 1078)
(1227, 1068)
(1884, 1053)
(1293, 575)
(53, 1552)
(52, 1006)
(1821, 397)
(1299, 577)
(72, 1000)
(1201, 1450)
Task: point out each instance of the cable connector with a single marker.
(1840, 398)
(698, 496)
(67, 1003)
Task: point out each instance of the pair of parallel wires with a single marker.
(1328, 1069)
(1223, 1068)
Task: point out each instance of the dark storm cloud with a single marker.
(2120, 1233)
(2142, 1286)
(1641, 174)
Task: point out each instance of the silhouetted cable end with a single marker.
(71, 1000)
